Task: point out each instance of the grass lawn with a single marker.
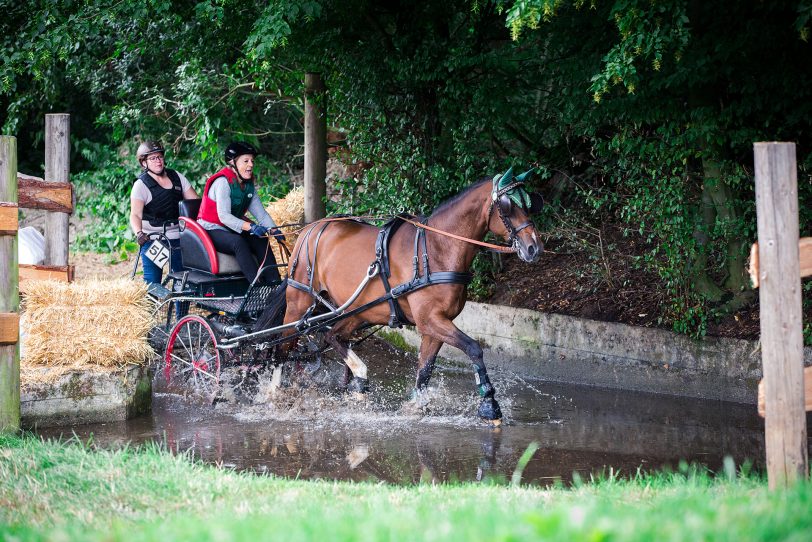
(68, 491)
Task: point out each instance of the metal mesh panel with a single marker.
(257, 299)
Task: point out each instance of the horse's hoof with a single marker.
(358, 385)
(489, 410)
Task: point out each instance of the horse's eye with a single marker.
(505, 204)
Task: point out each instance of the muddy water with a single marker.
(316, 432)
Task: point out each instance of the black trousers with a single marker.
(248, 249)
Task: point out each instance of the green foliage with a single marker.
(647, 110)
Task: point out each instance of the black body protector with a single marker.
(163, 208)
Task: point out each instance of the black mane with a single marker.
(454, 199)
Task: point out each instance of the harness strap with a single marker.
(396, 316)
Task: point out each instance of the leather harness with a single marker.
(499, 200)
(396, 316)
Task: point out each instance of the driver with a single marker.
(154, 205)
(228, 194)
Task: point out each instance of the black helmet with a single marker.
(238, 148)
(146, 148)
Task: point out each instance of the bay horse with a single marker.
(334, 260)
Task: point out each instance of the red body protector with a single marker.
(208, 207)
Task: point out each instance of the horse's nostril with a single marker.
(531, 250)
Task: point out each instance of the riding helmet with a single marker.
(146, 148)
(238, 148)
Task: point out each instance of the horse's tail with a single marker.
(274, 313)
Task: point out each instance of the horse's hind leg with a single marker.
(359, 382)
(429, 346)
(443, 330)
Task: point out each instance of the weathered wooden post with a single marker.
(315, 135)
(780, 312)
(57, 168)
(9, 294)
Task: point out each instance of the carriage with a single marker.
(343, 275)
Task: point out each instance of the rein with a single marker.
(490, 246)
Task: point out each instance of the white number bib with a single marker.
(158, 253)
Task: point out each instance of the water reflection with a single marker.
(578, 429)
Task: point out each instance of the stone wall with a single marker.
(86, 397)
(574, 350)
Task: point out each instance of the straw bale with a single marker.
(88, 323)
(287, 210)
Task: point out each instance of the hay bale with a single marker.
(94, 323)
(287, 210)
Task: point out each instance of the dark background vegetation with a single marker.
(638, 116)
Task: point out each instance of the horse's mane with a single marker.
(454, 199)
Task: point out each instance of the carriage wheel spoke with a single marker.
(193, 357)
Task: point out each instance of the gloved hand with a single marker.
(141, 238)
(258, 230)
(276, 232)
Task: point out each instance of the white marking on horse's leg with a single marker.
(276, 377)
(358, 367)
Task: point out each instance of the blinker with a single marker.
(505, 204)
(536, 203)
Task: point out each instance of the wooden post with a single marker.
(57, 168)
(9, 295)
(315, 135)
(780, 306)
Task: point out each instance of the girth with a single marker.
(396, 317)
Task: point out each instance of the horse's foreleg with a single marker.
(445, 331)
(359, 382)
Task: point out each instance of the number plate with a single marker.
(158, 253)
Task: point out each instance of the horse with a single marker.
(430, 260)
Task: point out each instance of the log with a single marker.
(57, 167)
(8, 218)
(780, 313)
(9, 294)
(807, 393)
(9, 328)
(805, 260)
(315, 136)
(62, 273)
(36, 193)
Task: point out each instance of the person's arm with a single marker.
(136, 214)
(221, 191)
(139, 197)
(188, 191)
(259, 212)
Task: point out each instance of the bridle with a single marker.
(501, 200)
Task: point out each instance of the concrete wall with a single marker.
(574, 350)
(86, 397)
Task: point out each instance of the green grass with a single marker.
(68, 491)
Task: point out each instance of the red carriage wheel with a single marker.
(191, 357)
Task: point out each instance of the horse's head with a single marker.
(514, 205)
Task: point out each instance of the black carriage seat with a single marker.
(196, 247)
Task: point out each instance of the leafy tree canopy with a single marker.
(636, 113)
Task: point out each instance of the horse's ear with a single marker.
(505, 179)
(523, 177)
(536, 203)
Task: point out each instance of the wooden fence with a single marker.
(778, 275)
(55, 195)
